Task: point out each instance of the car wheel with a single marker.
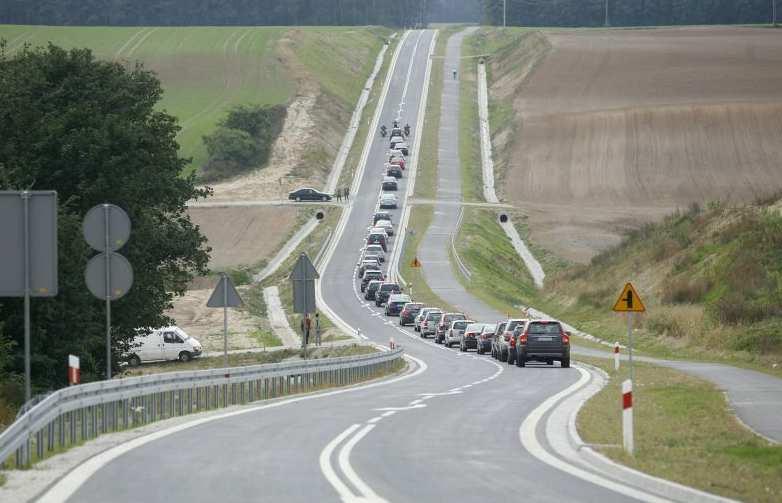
(549, 362)
(185, 357)
(324, 198)
(134, 361)
(566, 363)
(298, 199)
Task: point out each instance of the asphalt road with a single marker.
(448, 432)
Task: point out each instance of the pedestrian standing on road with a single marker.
(454, 75)
(338, 193)
(346, 193)
(317, 329)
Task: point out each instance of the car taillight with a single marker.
(523, 338)
(507, 337)
(565, 338)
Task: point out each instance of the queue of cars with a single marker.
(515, 340)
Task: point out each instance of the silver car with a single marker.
(454, 333)
(420, 317)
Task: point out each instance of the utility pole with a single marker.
(607, 21)
(774, 13)
(504, 12)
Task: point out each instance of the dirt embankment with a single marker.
(616, 128)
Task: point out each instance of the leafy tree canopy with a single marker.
(89, 130)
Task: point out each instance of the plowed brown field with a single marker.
(619, 127)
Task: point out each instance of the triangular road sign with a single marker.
(415, 263)
(224, 294)
(304, 270)
(629, 301)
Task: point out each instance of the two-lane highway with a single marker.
(448, 431)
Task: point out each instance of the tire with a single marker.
(549, 362)
(324, 199)
(298, 199)
(565, 363)
(185, 357)
(134, 361)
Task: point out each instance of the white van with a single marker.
(168, 343)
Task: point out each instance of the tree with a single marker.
(89, 130)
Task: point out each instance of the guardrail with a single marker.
(78, 413)
(462, 267)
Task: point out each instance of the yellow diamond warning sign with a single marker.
(629, 301)
(415, 263)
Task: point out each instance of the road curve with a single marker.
(449, 432)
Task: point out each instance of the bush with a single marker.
(761, 338)
(685, 291)
(243, 140)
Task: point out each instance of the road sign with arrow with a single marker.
(629, 301)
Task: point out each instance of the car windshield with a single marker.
(474, 327)
(459, 325)
(551, 328)
(511, 325)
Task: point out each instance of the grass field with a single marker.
(207, 70)
(685, 432)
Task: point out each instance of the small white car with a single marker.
(388, 201)
(167, 343)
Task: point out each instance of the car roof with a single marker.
(473, 326)
(399, 297)
(389, 179)
(376, 281)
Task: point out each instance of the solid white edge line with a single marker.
(347, 468)
(529, 439)
(70, 483)
(325, 465)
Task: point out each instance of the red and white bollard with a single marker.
(616, 356)
(74, 370)
(627, 416)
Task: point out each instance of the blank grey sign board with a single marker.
(42, 225)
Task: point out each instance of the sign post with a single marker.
(74, 370)
(628, 302)
(28, 254)
(109, 275)
(225, 296)
(303, 279)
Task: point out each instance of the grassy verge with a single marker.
(420, 219)
(469, 127)
(685, 433)
(266, 339)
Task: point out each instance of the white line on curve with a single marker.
(529, 439)
(328, 471)
(347, 469)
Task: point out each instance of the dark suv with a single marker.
(371, 290)
(543, 341)
(369, 276)
(385, 290)
(409, 312)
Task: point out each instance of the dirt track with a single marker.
(623, 126)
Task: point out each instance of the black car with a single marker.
(308, 194)
(409, 312)
(370, 276)
(394, 170)
(395, 304)
(543, 341)
(371, 290)
(386, 290)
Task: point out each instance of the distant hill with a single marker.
(628, 12)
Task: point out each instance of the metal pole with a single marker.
(630, 345)
(225, 319)
(607, 22)
(774, 13)
(107, 251)
(27, 376)
(504, 11)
